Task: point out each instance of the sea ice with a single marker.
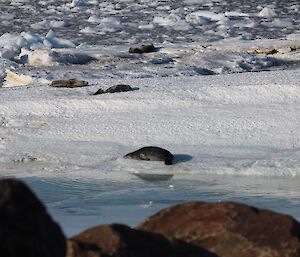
(267, 12)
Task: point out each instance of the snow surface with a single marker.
(221, 92)
(235, 124)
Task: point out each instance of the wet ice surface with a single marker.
(118, 22)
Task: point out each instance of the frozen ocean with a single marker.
(221, 91)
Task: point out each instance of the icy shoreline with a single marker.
(234, 124)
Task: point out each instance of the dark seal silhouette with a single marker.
(115, 89)
(142, 49)
(151, 153)
(69, 83)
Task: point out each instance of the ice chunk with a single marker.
(12, 43)
(14, 79)
(110, 24)
(91, 30)
(94, 19)
(46, 24)
(197, 19)
(58, 42)
(50, 57)
(173, 21)
(267, 12)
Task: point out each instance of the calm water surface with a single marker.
(77, 205)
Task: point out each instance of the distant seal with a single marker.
(142, 49)
(151, 153)
(115, 89)
(69, 83)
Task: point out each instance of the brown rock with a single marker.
(26, 229)
(78, 249)
(142, 49)
(229, 229)
(69, 83)
(121, 241)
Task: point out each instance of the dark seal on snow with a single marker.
(69, 83)
(142, 49)
(151, 153)
(115, 89)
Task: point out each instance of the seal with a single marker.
(115, 89)
(142, 49)
(151, 153)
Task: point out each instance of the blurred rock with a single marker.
(229, 229)
(26, 229)
(122, 241)
(69, 83)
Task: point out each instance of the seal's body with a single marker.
(151, 153)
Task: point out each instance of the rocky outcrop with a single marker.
(115, 89)
(122, 241)
(26, 229)
(229, 229)
(69, 83)
(149, 48)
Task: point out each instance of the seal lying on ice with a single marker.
(151, 153)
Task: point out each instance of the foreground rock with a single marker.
(26, 229)
(149, 48)
(122, 241)
(115, 89)
(229, 229)
(69, 83)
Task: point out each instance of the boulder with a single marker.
(69, 83)
(115, 89)
(149, 48)
(122, 241)
(26, 229)
(229, 229)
